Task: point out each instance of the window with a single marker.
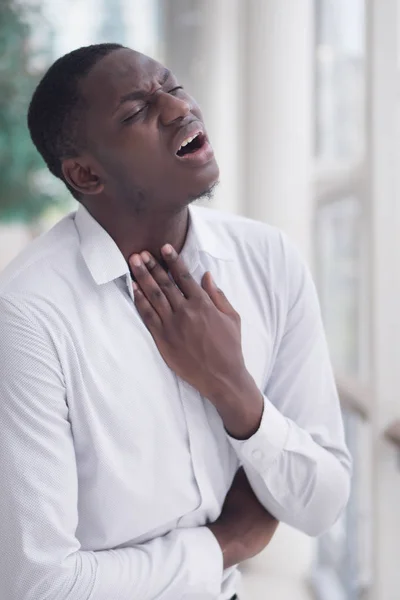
(340, 89)
(339, 242)
(342, 570)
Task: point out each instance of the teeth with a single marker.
(190, 139)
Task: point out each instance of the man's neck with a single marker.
(144, 231)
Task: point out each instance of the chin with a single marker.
(187, 186)
(205, 183)
(206, 194)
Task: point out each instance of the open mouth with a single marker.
(192, 144)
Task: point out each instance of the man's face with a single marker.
(137, 120)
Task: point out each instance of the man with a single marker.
(166, 392)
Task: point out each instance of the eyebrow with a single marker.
(141, 94)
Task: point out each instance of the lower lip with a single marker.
(202, 156)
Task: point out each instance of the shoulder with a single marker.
(241, 230)
(259, 241)
(38, 270)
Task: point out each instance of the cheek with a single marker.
(138, 147)
(137, 156)
(132, 167)
(122, 155)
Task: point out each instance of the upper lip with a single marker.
(186, 131)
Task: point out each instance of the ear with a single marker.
(79, 173)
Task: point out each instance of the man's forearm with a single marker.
(174, 565)
(244, 527)
(300, 482)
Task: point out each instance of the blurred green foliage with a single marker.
(21, 196)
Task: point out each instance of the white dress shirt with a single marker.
(111, 465)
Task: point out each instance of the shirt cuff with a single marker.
(205, 561)
(265, 446)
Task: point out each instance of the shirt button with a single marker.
(257, 454)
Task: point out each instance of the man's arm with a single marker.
(295, 456)
(244, 527)
(40, 555)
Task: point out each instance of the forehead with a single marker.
(119, 73)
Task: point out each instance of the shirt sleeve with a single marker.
(297, 462)
(40, 556)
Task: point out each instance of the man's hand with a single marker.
(197, 332)
(244, 527)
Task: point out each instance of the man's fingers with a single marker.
(182, 277)
(149, 287)
(216, 294)
(168, 287)
(149, 315)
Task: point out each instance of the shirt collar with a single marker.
(106, 262)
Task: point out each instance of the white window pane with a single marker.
(340, 80)
(339, 248)
(343, 569)
(134, 23)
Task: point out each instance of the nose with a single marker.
(171, 108)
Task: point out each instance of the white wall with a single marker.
(384, 182)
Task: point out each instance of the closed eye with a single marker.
(132, 117)
(175, 89)
(138, 112)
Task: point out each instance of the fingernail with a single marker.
(136, 260)
(145, 257)
(135, 285)
(167, 249)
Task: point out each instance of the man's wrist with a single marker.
(240, 405)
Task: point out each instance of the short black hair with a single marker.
(56, 108)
